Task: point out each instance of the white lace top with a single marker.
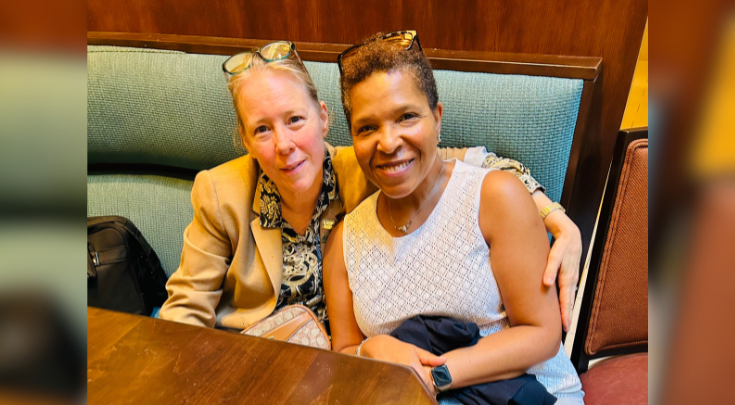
(442, 268)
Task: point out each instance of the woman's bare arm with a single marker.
(513, 229)
(346, 334)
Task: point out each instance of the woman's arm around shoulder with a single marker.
(194, 290)
(515, 234)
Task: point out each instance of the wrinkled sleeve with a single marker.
(195, 289)
(479, 156)
(493, 161)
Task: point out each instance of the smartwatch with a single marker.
(441, 378)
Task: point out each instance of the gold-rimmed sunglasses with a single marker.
(407, 38)
(270, 53)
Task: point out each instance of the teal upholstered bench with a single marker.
(156, 117)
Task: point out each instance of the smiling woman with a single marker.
(284, 130)
(387, 104)
(288, 179)
(420, 247)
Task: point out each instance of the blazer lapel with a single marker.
(329, 219)
(269, 244)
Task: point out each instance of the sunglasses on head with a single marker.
(269, 53)
(406, 38)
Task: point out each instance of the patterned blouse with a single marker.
(493, 161)
(302, 255)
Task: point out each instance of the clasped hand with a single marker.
(388, 348)
(564, 259)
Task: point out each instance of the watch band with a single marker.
(551, 208)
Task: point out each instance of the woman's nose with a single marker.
(284, 141)
(389, 140)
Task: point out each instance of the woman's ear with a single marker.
(324, 116)
(438, 112)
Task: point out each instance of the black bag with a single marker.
(123, 272)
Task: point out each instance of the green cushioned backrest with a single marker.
(158, 107)
(173, 108)
(529, 118)
(159, 206)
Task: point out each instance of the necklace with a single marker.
(404, 228)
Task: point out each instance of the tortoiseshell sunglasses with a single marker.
(269, 53)
(407, 38)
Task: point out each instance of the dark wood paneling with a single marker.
(611, 29)
(47, 26)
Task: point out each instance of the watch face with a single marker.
(441, 375)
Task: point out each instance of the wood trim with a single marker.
(568, 67)
(579, 136)
(571, 67)
(582, 191)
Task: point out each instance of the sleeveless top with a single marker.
(441, 269)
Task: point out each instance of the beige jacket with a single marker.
(230, 271)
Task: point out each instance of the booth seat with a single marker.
(613, 315)
(157, 117)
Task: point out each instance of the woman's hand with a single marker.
(565, 254)
(388, 348)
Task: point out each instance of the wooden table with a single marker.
(138, 360)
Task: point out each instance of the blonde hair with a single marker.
(290, 65)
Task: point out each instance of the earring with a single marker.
(439, 138)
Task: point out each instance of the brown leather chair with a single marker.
(613, 318)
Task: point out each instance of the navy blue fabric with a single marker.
(439, 335)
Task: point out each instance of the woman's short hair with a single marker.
(289, 65)
(377, 55)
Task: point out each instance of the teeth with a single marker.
(397, 167)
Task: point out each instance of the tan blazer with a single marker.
(231, 267)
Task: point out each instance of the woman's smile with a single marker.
(395, 169)
(293, 168)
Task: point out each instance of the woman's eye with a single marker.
(261, 129)
(294, 120)
(407, 116)
(366, 128)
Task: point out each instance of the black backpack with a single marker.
(123, 272)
